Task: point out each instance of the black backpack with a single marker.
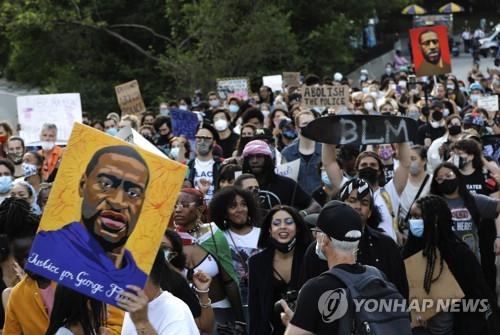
(371, 285)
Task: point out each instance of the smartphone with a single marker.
(412, 81)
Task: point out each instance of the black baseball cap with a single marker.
(340, 221)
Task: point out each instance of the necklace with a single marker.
(194, 230)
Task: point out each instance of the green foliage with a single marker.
(173, 46)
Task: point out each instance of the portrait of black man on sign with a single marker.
(430, 51)
(108, 208)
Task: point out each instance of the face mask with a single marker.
(265, 112)
(454, 130)
(402, 83)
(450, 87)
(214, 103)
(112, 131)
(365, 90)
(29, 170)
(290, 134)
(368, 106)
(414, 168)
(220, 125)
(446, 112)
(414, 114)
(385, 153)
(435, 124)
(15, 158)
(392, 87)
(5, 184)
(3, 138)
(325, 180)
(388, 71)
(417, 227)
(474, 98)
(459, 162)
(183, 107)
(164, 111)
(448, 186)
(169, 255)
(369, 174)
(203, 148)
(174, 152)
(47, 145)
(234, 108)
(283, 247)
(320, 253)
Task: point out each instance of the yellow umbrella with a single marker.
(413, 10)
(451, 8)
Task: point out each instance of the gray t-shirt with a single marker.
(463, 224)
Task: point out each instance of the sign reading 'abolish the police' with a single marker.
(325, 95)
(361, 129)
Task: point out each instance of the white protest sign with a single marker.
(274, 82)
(130, 135)
(233, 87)
(490, 103)
(290, 169)
(35, 110)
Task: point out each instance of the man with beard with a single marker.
(203, 170)
(91, 251)
(430, 48)
(163, 138)
(15, 153)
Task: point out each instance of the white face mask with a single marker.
(220, 125)
(214, 103)
(265, 112)
(368, 106)
(435, 124)
(174, 152)
(47, 145)
(183, 107)
(446, 112)
(392, 87)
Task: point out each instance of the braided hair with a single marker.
(17, 219)
(437, 234)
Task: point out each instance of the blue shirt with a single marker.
(309, 176)
(72, 257)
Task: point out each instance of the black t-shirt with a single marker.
(427, 131)
(388, 172)
(308, 315)
(284, 191)
(480, 182)
(228, 145)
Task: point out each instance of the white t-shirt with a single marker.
(168, 315)
(387, 218)
(204, 170)
(408, 196)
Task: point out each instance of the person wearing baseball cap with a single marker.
(274, 189)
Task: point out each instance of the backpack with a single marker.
(371, 285)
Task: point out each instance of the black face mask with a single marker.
(448, 186)
(369, 174)
(283, 247)
(437, 115)
(454, 130)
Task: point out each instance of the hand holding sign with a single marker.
(361, 129)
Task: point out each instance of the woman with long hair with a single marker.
(467, 209)
(206, 249)
(431, 232)
(274, 273)
(235, 212)
(75, 313)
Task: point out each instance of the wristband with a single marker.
(207, 305)
(201, 291)
(304, 212)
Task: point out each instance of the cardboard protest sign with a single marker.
(324, 95)
(107, 211)
(184, 123)
(430, 51)
(274, 82)
(129, 98)
(291, 79)
(60, 109)
(233, 87)
(361, 129)
(490, 103)
(445, 288)
(290, 169)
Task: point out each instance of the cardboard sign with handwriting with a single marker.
(129, 98)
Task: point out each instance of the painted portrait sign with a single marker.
(430, 51)
(108, 208)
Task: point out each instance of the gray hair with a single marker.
(49, 126)
(347, 247)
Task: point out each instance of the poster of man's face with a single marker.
(103, 222)
(430, 50)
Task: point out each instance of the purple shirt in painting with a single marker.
(72, 257)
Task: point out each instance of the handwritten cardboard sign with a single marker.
(290, 169)
(324, 95)
(33, 111)
(129, 98)
(107, 211)
(233, 87)
(361, 129)
(184, 123)
(291, 79)
(490, 103)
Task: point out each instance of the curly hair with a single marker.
(224, 198)
(17, 220)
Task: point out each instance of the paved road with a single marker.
(462, 64)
